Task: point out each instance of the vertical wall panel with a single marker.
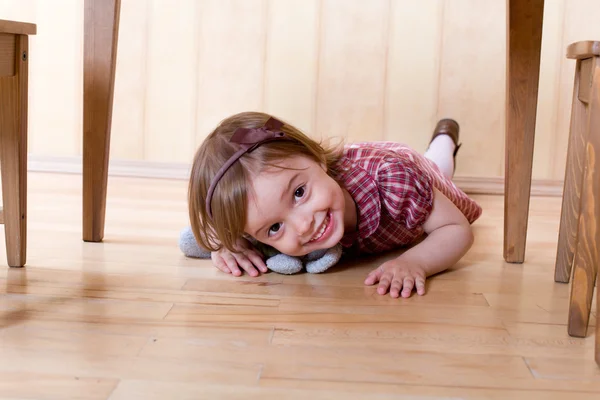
(231, 62)
(352, 68)
(547, 134)
(128, 126)
(472, 81)
(56, 79)
(413, 71)
(173, 41)
(291, 61)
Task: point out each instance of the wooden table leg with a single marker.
(13, 149)
(101, 28)
(523, 66)
(597, 323)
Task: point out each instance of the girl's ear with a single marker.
(323, 166)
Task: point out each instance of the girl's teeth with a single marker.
(322, 230)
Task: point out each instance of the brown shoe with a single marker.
(446, 127)
(451, 128)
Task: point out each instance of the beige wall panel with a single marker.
(56, 79)
(129, 104)
(232, 37)
(352, 69)
(291, 61)
(18, 10)
(547, 136)
(413, 71)
(173, 44)
(472, 81)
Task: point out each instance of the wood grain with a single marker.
(299, 389)
(17, 28)
(583, 49)
(567, 236)
(132, 314)
(101, 27)
(587, 78)
(13, 154)
(14, 384)
(585, 265)
(7, 54)
(523, 67)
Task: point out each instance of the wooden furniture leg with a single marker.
(101, 27)
(578, 136)
(523, 65)
(13, 138)
(587, 244)
(597, 325)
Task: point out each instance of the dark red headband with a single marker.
(249, 139)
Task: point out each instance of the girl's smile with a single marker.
(324, 230)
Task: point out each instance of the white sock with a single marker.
(441, 152)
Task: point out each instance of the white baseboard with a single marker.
(129, 168)
(152, 169)
(495, 185)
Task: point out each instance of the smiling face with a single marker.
(297, 208)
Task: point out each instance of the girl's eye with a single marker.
(299, 193)
(274, 228)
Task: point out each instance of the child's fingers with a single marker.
(219, 263)
(232, 264)
(396, 286)
(246, 265)
(420, 284)
(384, 284)
(373, 276)
(257, 260)
(407, 286)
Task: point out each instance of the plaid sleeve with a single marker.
(406, 191)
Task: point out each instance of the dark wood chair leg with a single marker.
(578, 137)
(588, 237)
(101, 27)
(523, 67)
(13, 154)
(597, 324)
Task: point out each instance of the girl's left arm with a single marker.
(449, 237)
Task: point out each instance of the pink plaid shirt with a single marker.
(392, 186)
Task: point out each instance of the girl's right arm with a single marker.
(248, 259)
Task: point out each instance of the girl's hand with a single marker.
(400, 275)
(248, 258)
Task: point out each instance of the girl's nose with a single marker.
(303, 224)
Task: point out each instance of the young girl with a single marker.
(255, 176)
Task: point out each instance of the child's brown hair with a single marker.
(228, 203)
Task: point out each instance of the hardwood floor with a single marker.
(131, 318)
